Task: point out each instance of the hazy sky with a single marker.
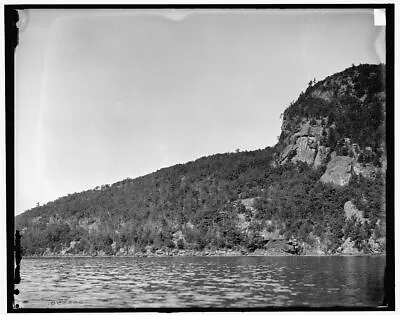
(105, 95)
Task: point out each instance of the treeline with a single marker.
(198, 206)
(147, 209)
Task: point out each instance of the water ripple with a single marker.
(200, 282)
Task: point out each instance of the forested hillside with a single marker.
(246, 200)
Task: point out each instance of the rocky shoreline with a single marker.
(211, 253)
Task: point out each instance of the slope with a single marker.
(245, 200)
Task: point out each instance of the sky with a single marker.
(102, 95)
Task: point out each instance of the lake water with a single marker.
(201, 282)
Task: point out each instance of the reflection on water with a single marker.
(201, 282)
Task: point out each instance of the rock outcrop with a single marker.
(306, 145)
(305, 150)
(302, 146)
(337, 116)
(338, 171)
(351, 211)
(348, 248)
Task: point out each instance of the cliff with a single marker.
(338, 123)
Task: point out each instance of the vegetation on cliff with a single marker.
(349, 104)
(239, 200)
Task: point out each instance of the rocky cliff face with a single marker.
(338, 124)
(328, 126)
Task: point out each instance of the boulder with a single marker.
(338, 171)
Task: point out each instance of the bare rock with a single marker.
(303, 132)
(338, 171)
(367, 170)
(305, 151)
(322, 155)
(302, 146)
(349, 248)
(350, 211)
(287, 153)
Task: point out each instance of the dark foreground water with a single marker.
(201, 282)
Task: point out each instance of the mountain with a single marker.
(342, 115)
(319, 190)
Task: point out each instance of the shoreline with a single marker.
(204, 254)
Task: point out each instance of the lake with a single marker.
(167, 282)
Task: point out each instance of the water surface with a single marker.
(201, 282)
